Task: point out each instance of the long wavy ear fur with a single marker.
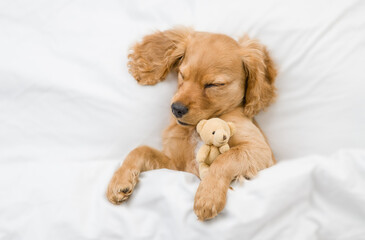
(261, 74)
(153, 57)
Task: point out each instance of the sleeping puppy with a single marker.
(217, 77)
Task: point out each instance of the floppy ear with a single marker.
(200, 126)
(260, 73)
(153, 57)
(232, 127)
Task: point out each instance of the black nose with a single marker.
(178, 109)
(224, 137)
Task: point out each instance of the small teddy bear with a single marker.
(215, 134)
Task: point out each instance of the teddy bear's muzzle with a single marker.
(220, 138)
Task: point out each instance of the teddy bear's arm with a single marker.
(202, 154)
(224, 148)
(203, 169)
(201, 158)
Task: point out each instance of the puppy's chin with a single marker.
(188, 122)
(184, 123)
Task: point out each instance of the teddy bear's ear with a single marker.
(200, 126)
(232, 127)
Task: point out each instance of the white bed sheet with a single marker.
(70, 112)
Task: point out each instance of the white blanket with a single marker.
(307, 198)
(70, 112)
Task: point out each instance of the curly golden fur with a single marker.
(217, 77)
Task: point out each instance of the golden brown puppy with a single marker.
(217, 77)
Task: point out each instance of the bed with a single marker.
(70, 112)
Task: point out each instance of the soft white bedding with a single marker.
(312, 197)
(70, 112)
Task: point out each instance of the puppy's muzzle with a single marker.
(179, 109)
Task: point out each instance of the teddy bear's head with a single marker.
(215, 131)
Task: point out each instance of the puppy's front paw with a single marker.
(121, 185)
(210, 199)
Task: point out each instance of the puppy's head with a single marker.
(215, 73)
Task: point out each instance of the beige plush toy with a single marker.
(215, 133)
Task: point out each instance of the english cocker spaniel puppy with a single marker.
(217, 77)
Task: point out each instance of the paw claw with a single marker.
(125, 190)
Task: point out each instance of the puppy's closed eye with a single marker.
(180, 78)
(210, 85)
